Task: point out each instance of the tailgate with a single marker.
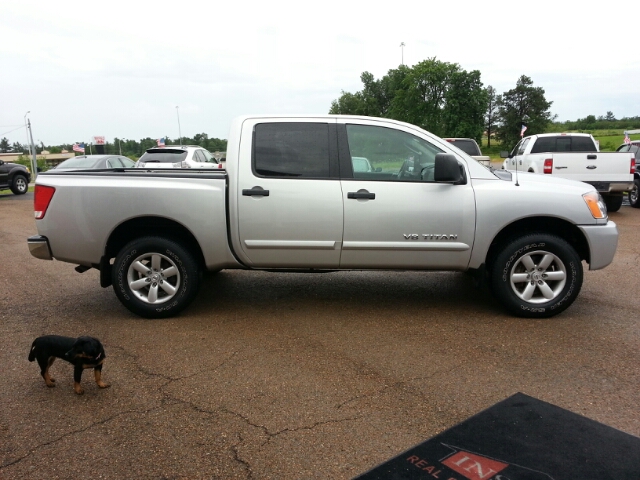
(604, 167)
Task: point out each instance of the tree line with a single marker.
(129, 148)
(451, 102)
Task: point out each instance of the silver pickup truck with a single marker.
(291, 199)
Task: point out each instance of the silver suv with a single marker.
(175, 156)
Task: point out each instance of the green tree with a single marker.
(491, 117)
(524, 104)
(4, 145)
(348, 104)
(438, 96)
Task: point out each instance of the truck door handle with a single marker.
(592, 157)
(361, 194)
(255, 192)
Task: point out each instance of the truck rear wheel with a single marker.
(633, 194)
(154, 277)
(537, 275)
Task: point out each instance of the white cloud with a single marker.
(121, 68)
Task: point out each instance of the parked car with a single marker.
(174, 156)
(633, 147)
(471, 148)
(95, 161)
(15, 177)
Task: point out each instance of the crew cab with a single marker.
(14, 177)
(290, 199)
(575, 156)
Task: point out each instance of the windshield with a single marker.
(79, 162)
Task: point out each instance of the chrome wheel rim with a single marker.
(21, 184)
(538, 277)
(153, 278)
(633, 194)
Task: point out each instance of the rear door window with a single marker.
(291, 150)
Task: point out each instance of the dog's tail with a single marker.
(32, 352)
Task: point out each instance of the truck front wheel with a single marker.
(537, 275)
(154, 277)
(613, 202)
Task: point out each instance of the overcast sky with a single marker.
(120, 68)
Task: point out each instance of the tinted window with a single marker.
(563, 144)
(582, 144)
(291, 150)
(163, 156)
(392, 154)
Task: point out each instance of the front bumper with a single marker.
(39, 247)
(603, 241)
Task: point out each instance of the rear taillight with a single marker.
(548, 165)
(633, 166)
(41, 199)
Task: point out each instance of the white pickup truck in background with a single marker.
(575, 156)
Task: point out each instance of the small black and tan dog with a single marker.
(82, 352)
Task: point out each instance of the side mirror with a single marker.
(447, 169)
(379, 169)
(504, 154)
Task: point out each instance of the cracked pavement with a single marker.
(292, 375)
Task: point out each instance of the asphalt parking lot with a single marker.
(291, 375)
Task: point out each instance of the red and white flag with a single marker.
(627, 140)
(524, 129)
(78, 147)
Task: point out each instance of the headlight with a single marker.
(596, 205)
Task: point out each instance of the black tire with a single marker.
(20, 185)
(633, 194)
(537, 275)
(155, 294)
(613, 202)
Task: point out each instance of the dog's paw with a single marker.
(78, 390)
(104, 385)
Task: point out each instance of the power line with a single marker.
(21, 126)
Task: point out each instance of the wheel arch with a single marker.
(147, 226)
(549, 225)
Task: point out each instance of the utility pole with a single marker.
(179, 131)
(32, 147)
(402, 49)
(27, 130)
